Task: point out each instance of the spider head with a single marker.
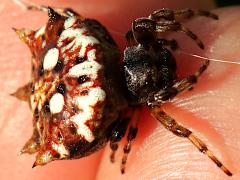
(144, 31)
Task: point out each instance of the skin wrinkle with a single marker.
(180, 102)
(187, 104)
(168, 160)
(204, 111)
(202, 127)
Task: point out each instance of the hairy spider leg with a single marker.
(65, 11)
(127, 148)
(179, 86)
(169, 26)
(172, 16)
(117, 134)
(170, 124)
(178, 15)
(154, 27)
(154, 24)
(132, 133)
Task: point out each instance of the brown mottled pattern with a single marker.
(57, 129)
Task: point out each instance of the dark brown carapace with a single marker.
(82, 97)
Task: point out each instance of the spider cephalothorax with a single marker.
(80, 96)
(149, 66)
(148, 70)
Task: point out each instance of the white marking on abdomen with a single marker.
(85, 103)
(69, 22)
(94, 96)
(50, 59)
(91, 55)
(40, 32)
(60, 148)
(90, 68)
(85, 41)
(80, 119)
(56, 103)
(79, 40)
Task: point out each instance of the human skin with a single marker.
(211, 110)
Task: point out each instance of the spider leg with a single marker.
(171, 125)
(132, 133)
(145, 30)
(116, 136)
(169, 14)
(188, 13)
(65, 11)
(169, 26)
(179, 86)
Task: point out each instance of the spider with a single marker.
(150, 71)
(82, 97)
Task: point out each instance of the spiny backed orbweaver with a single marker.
(82, 96)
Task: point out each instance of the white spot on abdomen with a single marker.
(94, 96)
(85, 41)
(85, 103)
(56, 103)
(91, 55)
(50, 59)
(82, 129)
(90, 68)
(78, 40)
(60, 148)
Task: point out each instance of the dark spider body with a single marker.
(82, 98)
(147, 70)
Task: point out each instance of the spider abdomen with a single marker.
(75, 95)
